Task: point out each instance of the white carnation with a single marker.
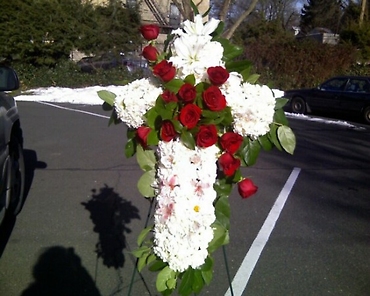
(134, 100)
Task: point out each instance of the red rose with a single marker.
(214, 99)
(167, 131)
(190, 115)
(149, 32)
(187, 93)
(168, 96)
(142, 135)
(231, 142)
(207, 136)
(246, 188)
(217, 75)
(164, 70)
(150, 53)
(229, 163)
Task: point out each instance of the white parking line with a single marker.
(74, 110)
(245, 270)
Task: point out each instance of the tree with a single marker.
(321, 13)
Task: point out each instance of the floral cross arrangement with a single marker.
(192, 125)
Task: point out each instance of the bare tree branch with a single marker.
(229, 33)
(224, 10)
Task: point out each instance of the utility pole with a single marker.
(363, 9)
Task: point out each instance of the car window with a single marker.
(336, 84)
(358, 85)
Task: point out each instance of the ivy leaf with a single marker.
(286, 138)
(145, 184)
(145, 158)
(107, 96)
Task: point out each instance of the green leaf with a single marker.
(198, 282)
(152, 139)
(130, 148)
(174, 85)
(152, 117)
(231, 51)
(165, 275)
(157, 265)
(186, 282)
(142, 262)
(220, 237)
(286, 138)
(265, 142)
(273, 136)
(222, 210)
(145, 184)
(194, 7)
(280, 103)
(143, 235)
(279, 117)
(207, 270)
(187, 139)
(239, 66)
(190, 79)
(252, 78)
(107, 96)
(222, 187)
(250, 152)
(146, 159)
(107, 107)
(141, 251)
(219, 30)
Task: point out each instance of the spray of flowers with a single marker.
(193, 124)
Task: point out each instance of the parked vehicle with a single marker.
(12, 168)
(344, 94)
(109, 60)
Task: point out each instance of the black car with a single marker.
(344, 94)
(12, 168)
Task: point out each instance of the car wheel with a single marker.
(16, 175)
(367, 114)
(298, 105)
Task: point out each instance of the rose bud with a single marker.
(142, 135)
(149, 32)
(167, 131)
(229, 164)
(150, 53)
(217, 75)
(164, 70)
(246, 188)
(231, 142)
(214, 99)
(187, 93)
(169, 96)
(206, 136)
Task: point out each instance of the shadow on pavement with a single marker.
(59, 272)
(31, 164)
(111, 214)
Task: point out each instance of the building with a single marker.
(162, 12)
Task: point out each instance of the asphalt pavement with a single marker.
(83, 213)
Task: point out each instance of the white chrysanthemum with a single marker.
(134, 100)
(184, 211)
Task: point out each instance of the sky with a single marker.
(89, 96)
